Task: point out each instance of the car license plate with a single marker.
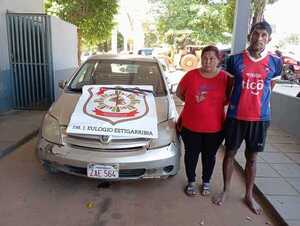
(102, 171)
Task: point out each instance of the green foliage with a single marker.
(229, 14)
(150, 39)
(94, 18)
(203, 21)
(120, 41)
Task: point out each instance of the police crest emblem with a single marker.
(115, 105)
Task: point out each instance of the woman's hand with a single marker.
(201, 97)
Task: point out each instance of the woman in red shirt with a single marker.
(204, 91)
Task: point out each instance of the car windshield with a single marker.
(119, 72)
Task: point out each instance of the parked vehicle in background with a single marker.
(84, 56)
(291, 66)
(134, 157)
(291, 69)
(190, 57)
(145, 51)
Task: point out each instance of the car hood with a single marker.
(63, 108)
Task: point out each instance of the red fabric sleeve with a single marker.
(183, 84)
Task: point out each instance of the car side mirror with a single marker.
(62, 84)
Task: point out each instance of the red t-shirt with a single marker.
(206, 116)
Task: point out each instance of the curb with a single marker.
(262, 196)
(12, 147)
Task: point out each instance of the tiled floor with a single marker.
(278, 174)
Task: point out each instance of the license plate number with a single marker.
(103, 171)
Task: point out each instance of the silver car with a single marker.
(118, 157)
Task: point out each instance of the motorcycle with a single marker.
(291, 69)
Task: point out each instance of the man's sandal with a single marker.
(205, 189)
(191, 190)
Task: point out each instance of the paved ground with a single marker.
(278, 174)
(17, 127)
(30, 196)
(21, 179)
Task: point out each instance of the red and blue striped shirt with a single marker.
(250, 99)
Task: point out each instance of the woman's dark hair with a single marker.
(211, 48)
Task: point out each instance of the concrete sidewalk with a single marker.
(17, 127)
(278, 173)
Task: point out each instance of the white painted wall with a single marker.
(285, 113)
(17, 6)
(240, 27)
(64, 50)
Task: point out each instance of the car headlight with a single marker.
(166, 134)
(51, 130)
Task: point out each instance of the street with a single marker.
(30, 196)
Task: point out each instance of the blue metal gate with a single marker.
(30, 60)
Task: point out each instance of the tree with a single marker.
(210, 21)
(93, 18)
(150, 39)
(205, 19)
(258, 8)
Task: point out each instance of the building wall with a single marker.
(18, 6)
(64, 51)
(285, 113)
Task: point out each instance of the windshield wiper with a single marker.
(133, 90)
(75, 89)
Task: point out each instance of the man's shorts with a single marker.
(254, 134)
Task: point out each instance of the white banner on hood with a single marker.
(118, 110)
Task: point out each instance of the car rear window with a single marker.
(120, 72)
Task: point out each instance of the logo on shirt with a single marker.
(253, 75)
(207, 88)
(254, 86)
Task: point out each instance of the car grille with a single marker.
(123, 173)
(93, 142)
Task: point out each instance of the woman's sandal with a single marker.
(205, 189)
(191, 190)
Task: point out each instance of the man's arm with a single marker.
(229, 87)
(273, 83)
(279, 69)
